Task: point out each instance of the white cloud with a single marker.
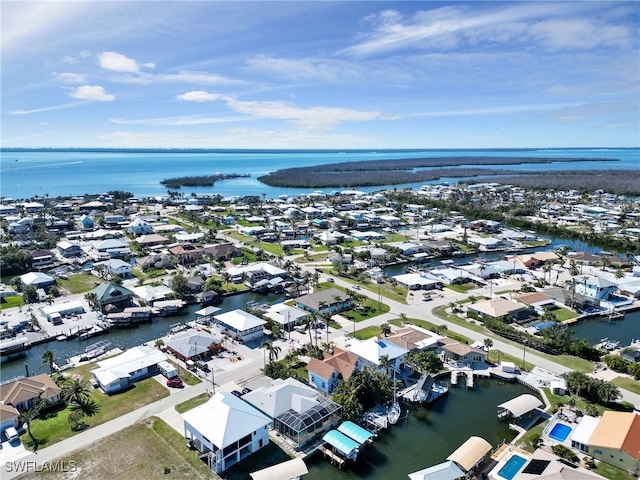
(92, 92)
(317, 70)
(199, 96)
(117, 62)
(45, 109)
(179, 120)
(68, 77)
(198, 78)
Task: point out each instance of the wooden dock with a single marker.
(335, 459)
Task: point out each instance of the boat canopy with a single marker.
(442, 471)
(470, 453)
(520, 405)
(291, 469)
(345, 445)
(356, 432)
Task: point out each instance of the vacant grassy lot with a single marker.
(462, 288)
(10, 302)
(366, 332)
(140, 451)
(627, 383)
(192, 403)
(80, 283)
(563, 314)
(56, 427)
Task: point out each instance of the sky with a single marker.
(319, 74)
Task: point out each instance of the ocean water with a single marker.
(26, 173)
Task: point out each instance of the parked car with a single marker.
(331, 280)
(175, 382)
(356, 287)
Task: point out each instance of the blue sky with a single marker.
(302, 74)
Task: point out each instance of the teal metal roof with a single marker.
(345, 445)
(356, 432)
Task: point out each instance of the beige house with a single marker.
(24, 392)
(500, 309)
(616, 440)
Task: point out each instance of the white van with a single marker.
(12, 434)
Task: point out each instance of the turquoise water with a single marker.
(560, 432)
(59, 173)
(512, 467)
(427, 436)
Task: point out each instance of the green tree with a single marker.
(273, 350)
(30, 294)
(76, 391)
(385, 329)
(180, 285)
(488, 343)
(48, 360)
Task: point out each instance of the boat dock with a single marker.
(376, 419)
(335, 459)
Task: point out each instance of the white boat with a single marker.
(393, 414)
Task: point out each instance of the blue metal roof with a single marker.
(346, 446)
(356, 432)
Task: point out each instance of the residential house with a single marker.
(122, 371)
(226, 430)
(417, 281)
(499, 308)
(252, 274)
(109, 296)
(117, 267)
(37, 280)
(335, 366)
(151, 293)
(155, 261)
(376, 352)
(456, 353)
(193, 345)
(152, 240)
(285, 316)
(69, 249)
(298, 412)
(535, 260)
(21, 225)
(139, 227)
(328, 301)
(595, 287)
(86, 222)
(240, 325)
(413, 337)
(222, 252)
(111, 247)
(24, 392)
(186, 253)
(536, 301)
(42, 258)
(9, 417)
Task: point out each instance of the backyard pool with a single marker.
(512, 467)
(560, 432)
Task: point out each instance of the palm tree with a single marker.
(273, 350)
(29, 416)
(488, 343)
(385, 362)
(385, 329)
(76, 390)
(48, 359)
(91, 299)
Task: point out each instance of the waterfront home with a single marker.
(459, 354)
(193, 345)
(252, 274)
(616, 440)
(470, 454)
(417, 281)
(42, 258)
(240, 325)
(296, 410)
(375, 352)
(64, 309)
(413, 337)
(110, 296)
(499, 308)
(122, 371)
(488, 244)
(334, 367)
(150, 294)
(285, 316)
(328, 301)
(534, 260)
(117, 268)
(594, 287)
(37, 280)
(506, 267)
(225, 430)
(450, 276)
(536, 300)
(69, 249)
(9, 418)
(24, 392)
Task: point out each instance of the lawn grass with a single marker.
(496, 356)
(142, 450)
(80, 283)
(462, 288)
(192, 403)
(54, 428)
(612, 472)
(394, 238)
(365, 333)
(527, 441)
(563, 399)
(10, 302)
(627, 383)
(563, 314)
(186, 376)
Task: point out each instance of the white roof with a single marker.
(240, 320)
(150, 293)
(289, 470)
(372, 349)
(131, 360)
(207, 311)
(520, 405)
(443, 471)
(225, 419)
(256, 267)
(585, 428)
(284, 314)
(283, 395)
(61, 307)
(32, 278)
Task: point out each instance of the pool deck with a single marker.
(502, 456)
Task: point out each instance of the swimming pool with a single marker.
(512, 467)
(560, 432)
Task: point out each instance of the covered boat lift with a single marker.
(356, 432)
(290, 470)
(470, 453)
(443, 471)
(519, 406)
(345, 446)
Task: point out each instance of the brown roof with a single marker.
(345, 363)
(8, 412)
(317, 366)
(618, 430)
(531, 298)
(329, 296)
(408, 338)
(460, 349)
(185, 248)
(27, 388)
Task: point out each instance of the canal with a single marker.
(596, 329)
(31, 359)
(428, 435)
